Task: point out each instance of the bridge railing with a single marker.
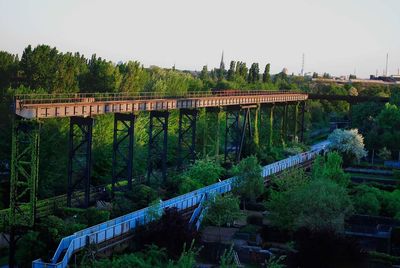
(126, 96)
(126, 223)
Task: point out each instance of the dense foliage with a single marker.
(153, 256)
(317, 203)
(222, 210)
(249, 183)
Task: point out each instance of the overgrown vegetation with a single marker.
(318, 202)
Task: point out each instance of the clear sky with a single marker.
(337, 36)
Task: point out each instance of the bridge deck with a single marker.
(47, 106)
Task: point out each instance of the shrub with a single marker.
(349, 143)
(366, 200)
(320, 204)
(249, 183)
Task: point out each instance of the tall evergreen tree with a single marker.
(204, 73)
(254, 71)
(231, 71)
(266, 74)
(241, 70)
(221, 71)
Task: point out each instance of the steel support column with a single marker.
(285, 123)
(232, 134)
(235, 134)
(211, 131)
(24, 180)
(246, 127)
(24, 172)
(295, 120)
(271, 126)
(123, 149)
(301, 121)
(158, 133)
(280, 124)
(79, 160)
(187, 136)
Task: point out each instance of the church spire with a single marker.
(222, 64)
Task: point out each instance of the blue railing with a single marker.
(119, 226)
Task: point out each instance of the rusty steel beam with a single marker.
(85, 106)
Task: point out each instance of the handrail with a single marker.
(126, 223)
(101, 97)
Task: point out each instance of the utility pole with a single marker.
(387, 60)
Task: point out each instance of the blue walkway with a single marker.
(122, 225)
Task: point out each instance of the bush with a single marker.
(187, 185)
(349, 143)
(89, 216)
(249, 183)
(366, 200)
(320, 204)
(29, 247)
(222, 210)
(205, 171)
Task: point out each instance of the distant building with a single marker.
(396, 77)
(392, 78)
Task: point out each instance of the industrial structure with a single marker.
(240, 108)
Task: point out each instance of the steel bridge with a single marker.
(241, 111)
(118, 230)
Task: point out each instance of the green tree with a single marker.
(231, 71)
(201, 173)
(204, 73)
(205, 171)
(254, 71)
(366, 200)
(39, 66)
(266, 74)
(249, 183)
(8, 68)
(222, 210)
(103, 76)
(29, 247)
(330, 169)
(395, 96)
(134, 77)
(388, 122)
(319, 204)
(241, 70)
(69, 70)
